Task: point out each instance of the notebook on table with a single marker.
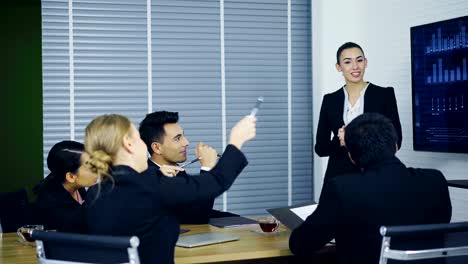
(182, 230)
(293, 216)
(197, 240)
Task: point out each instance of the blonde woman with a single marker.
(130, 201)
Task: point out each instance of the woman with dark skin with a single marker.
(342, 106)
(60, 203)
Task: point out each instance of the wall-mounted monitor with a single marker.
(439, 56)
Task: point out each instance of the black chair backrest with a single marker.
(69, 247)
(14, 210)
(430, 243)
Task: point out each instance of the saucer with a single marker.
(259, 231)
(26, 243)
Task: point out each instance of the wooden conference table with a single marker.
(253, 247)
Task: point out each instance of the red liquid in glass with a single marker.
(27, 236)
(268, 227)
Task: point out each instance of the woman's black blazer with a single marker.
(376, 99)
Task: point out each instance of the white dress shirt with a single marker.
(352, 111)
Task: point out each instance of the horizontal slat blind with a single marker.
(55, 74)
(110, 64)
(301, 102)
(187, 71)
(256, 65)
(110, 54)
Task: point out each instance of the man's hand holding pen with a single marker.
(242, 132)
(170, 170)
(207, 155)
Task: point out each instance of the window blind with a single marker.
(256, 65)
(110, 60)
(302, 131)
(95, 61)
(55, 75)
(187, 71)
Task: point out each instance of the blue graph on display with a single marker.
(439, 53)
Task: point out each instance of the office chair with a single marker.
(15, 210)
(439, 241)
(67, 248)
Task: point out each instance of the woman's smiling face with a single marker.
(352, 64)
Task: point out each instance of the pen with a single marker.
(257, 106)
(193, 161)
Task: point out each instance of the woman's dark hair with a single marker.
(63, 157)
(347, 45)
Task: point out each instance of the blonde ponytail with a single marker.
(99, 162)
(103, 139)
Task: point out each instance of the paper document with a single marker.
(304, 211)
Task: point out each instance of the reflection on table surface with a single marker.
(253, 244)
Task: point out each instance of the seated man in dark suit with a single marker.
(353, 206)
(167, 145)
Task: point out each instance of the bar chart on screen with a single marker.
(439, 54)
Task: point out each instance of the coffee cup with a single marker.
(24, 232)
(268, 224)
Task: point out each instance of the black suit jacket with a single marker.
(354, 206)
(198, 212)
(376, 99)
(141, 204)
(56, 209)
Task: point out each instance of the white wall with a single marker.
(382, 28)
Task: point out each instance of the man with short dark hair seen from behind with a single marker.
(353, 206)
(167, 145)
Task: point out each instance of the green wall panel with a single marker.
(21, 93)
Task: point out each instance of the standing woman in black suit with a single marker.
(342, 106)
(130, 200)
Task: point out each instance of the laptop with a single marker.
(203, 239)
(293, 216)
(231, 221)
